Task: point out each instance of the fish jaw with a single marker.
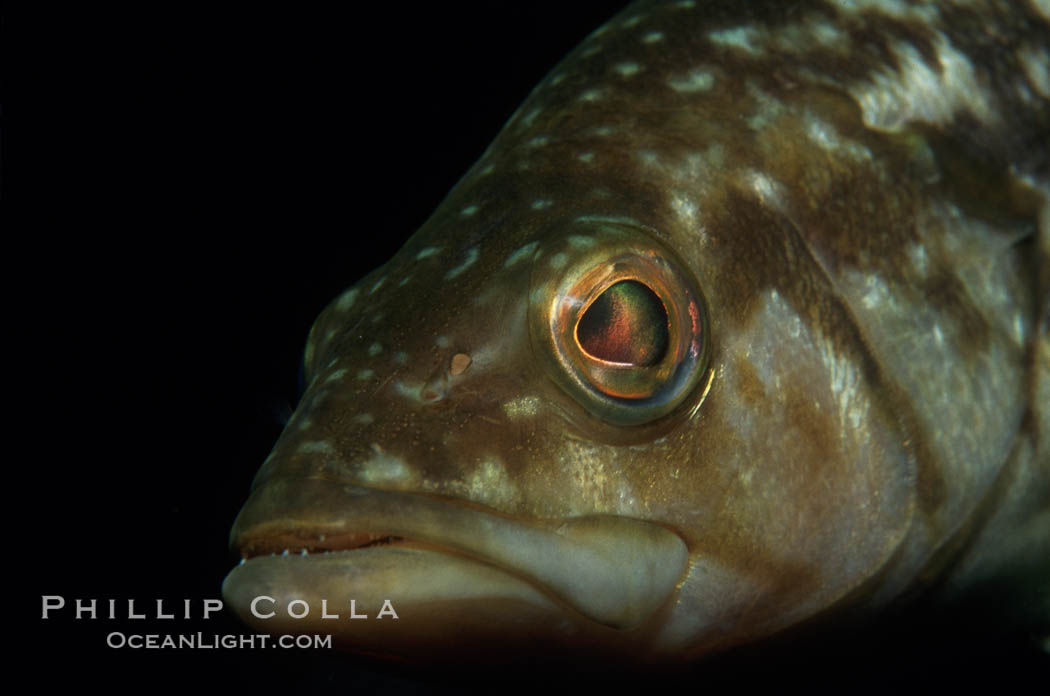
(441, 563)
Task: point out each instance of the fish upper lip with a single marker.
(615, 570)
(306, 542)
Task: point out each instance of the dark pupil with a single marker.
(626, 324)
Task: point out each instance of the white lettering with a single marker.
(387, 610)
(49, 603)
(255, 603)
(131, 612)
(160, 611)
(81, 609)
(305, 611)
(210, 607)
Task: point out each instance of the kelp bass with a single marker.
(740, 321)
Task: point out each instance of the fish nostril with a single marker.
(460, 363)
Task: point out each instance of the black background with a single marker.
(186, 185)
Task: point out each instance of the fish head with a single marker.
(611, 398)
(579, 421)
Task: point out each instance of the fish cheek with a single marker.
(801, 488)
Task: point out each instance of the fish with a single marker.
(739, 325)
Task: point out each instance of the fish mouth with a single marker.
(317, 540)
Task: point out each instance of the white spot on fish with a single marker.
(828, 35)
(769, 109)
(591, 95)
(427, 252)
(527, 120)
(599, 31)
(316, 447)
(488, 296)
(585, 156)
(1019, 329)
(541, 203)
(596, 480)
(520, 254)
(409, 389)
(538, 141)
(579, 241)
(898, 9)
(767, 190)
(522, 407)
(490, 485)
(684, 208)
(472, 257)
(400, 358)
(614, 219)
(875, 292)
(633, 21)
(375, 349)
(693, 81)
(365, 374)
(845, 385)
(378, 284)
(917, 92)
(825, 136)
(918, 258)
(384, 468)
(1036, 65)
(653, 37)
(469, 210)
(442, 341)
(404, 281)
(558, 261)
(627, 69)
(346, 300)
(648, 158)
(337, 375)
(742, 38)
(363, 419)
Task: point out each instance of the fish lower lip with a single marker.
(614, 570)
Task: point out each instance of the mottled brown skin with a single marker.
(876, 417)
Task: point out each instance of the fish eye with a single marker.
(620, 324)
(625, 324)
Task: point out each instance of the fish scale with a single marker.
(842, 208)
